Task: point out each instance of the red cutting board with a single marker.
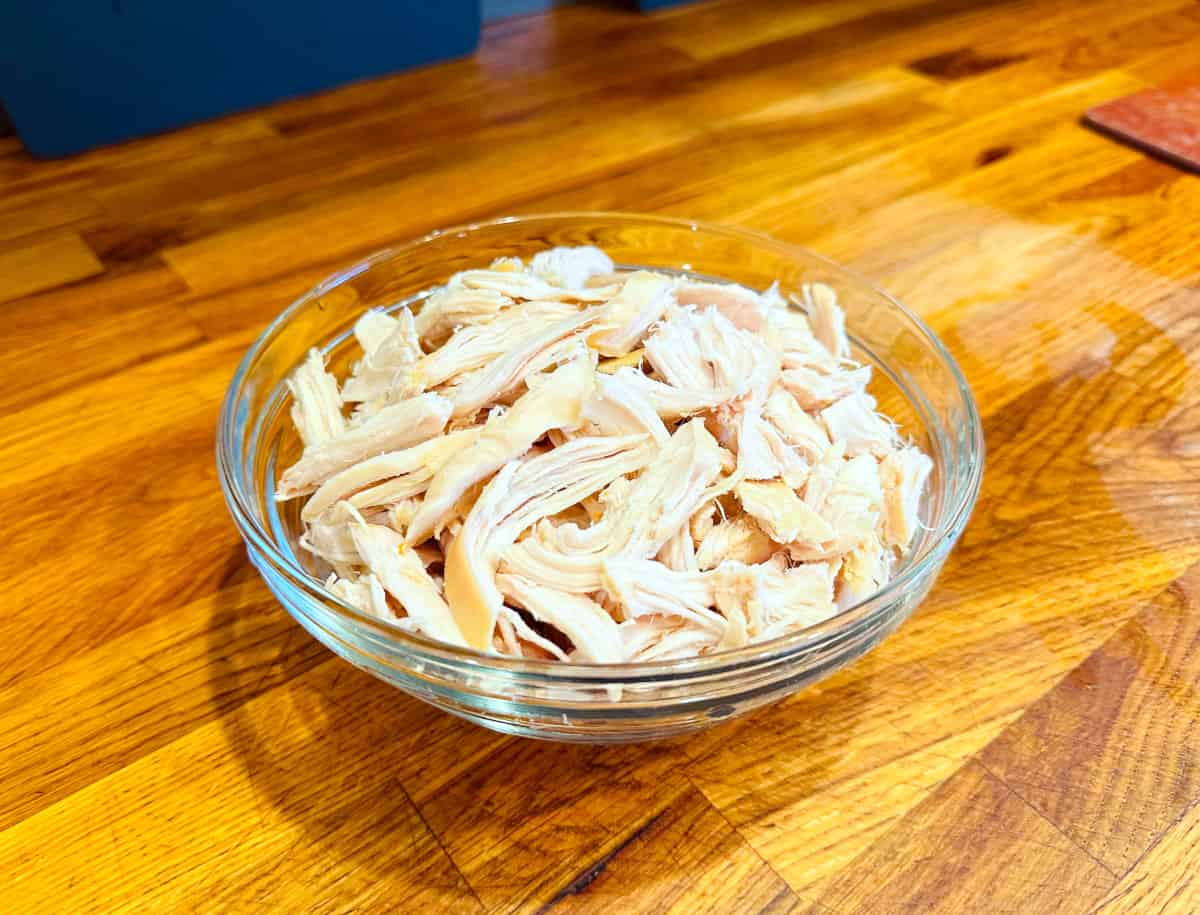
(1163, 121)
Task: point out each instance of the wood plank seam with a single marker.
(433, 832)
(512, 204)
(977, 759)
(749, 842)
(588, 875)
(1107, 901)
(1041, 816)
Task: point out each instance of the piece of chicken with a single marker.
(815, 389)
(373, 327)
(413, 468)
(592, 632)
(316, 403)
(704, 351)
(555, 402)
(571, 268)
(533, 559)
(327, 535)
(529, 286)
(639, 518)
(903, 474)
(514, 366)
(679, 552)
(865, 570)
(790, 332)
(568, 349)
(474, 347)
(671, 402)
(761, 602)
(737, 538)
(454, 305)
(827, 319)
(398, 426)
(363, 592)
(516, 637)
(396, 491)
(799, 430)
(743, 307)
(403, 576)
(763, 454)
(384, 375)
(782, 514)
(619, 407)
(643, 299)
(823, 474)
(661, 638)
(854, 422)
(520, 494)
(645, 587)
(853, 503)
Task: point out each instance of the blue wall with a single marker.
(79, 73)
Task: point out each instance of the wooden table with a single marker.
(1029, 742)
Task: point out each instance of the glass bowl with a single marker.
(915, 380)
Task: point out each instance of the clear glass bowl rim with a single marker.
(953, 519)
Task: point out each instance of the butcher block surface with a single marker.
(1028, 742)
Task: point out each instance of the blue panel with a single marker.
(78, 73)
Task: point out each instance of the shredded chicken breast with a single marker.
(569, 461)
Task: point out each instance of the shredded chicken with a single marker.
(814, 389)
(405, 473)
(764, 454)
(363, 592)
(403, 576)
(643, 587)
(704, 351)
(854, 422)
(568, 461)
(456, 306)
(519, 495)
(737, 538)
(743, 307)
(903, 474)
(476, 346)
(639, 516)
(498, 377)
(316, 403)
(386, 372)
(642, 300)
(827, 319)
(619, 407)
(397, 426)
(555, 403)
(571, 268)
(781, 513)
(679, 552)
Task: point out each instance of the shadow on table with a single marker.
(361, 770)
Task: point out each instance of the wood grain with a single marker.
(171, 740)
(1164, 880)
(994, 853)
(45, 263)
(1131, 748)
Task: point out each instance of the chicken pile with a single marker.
(558, 460)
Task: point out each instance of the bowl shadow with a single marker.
(354, 769)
